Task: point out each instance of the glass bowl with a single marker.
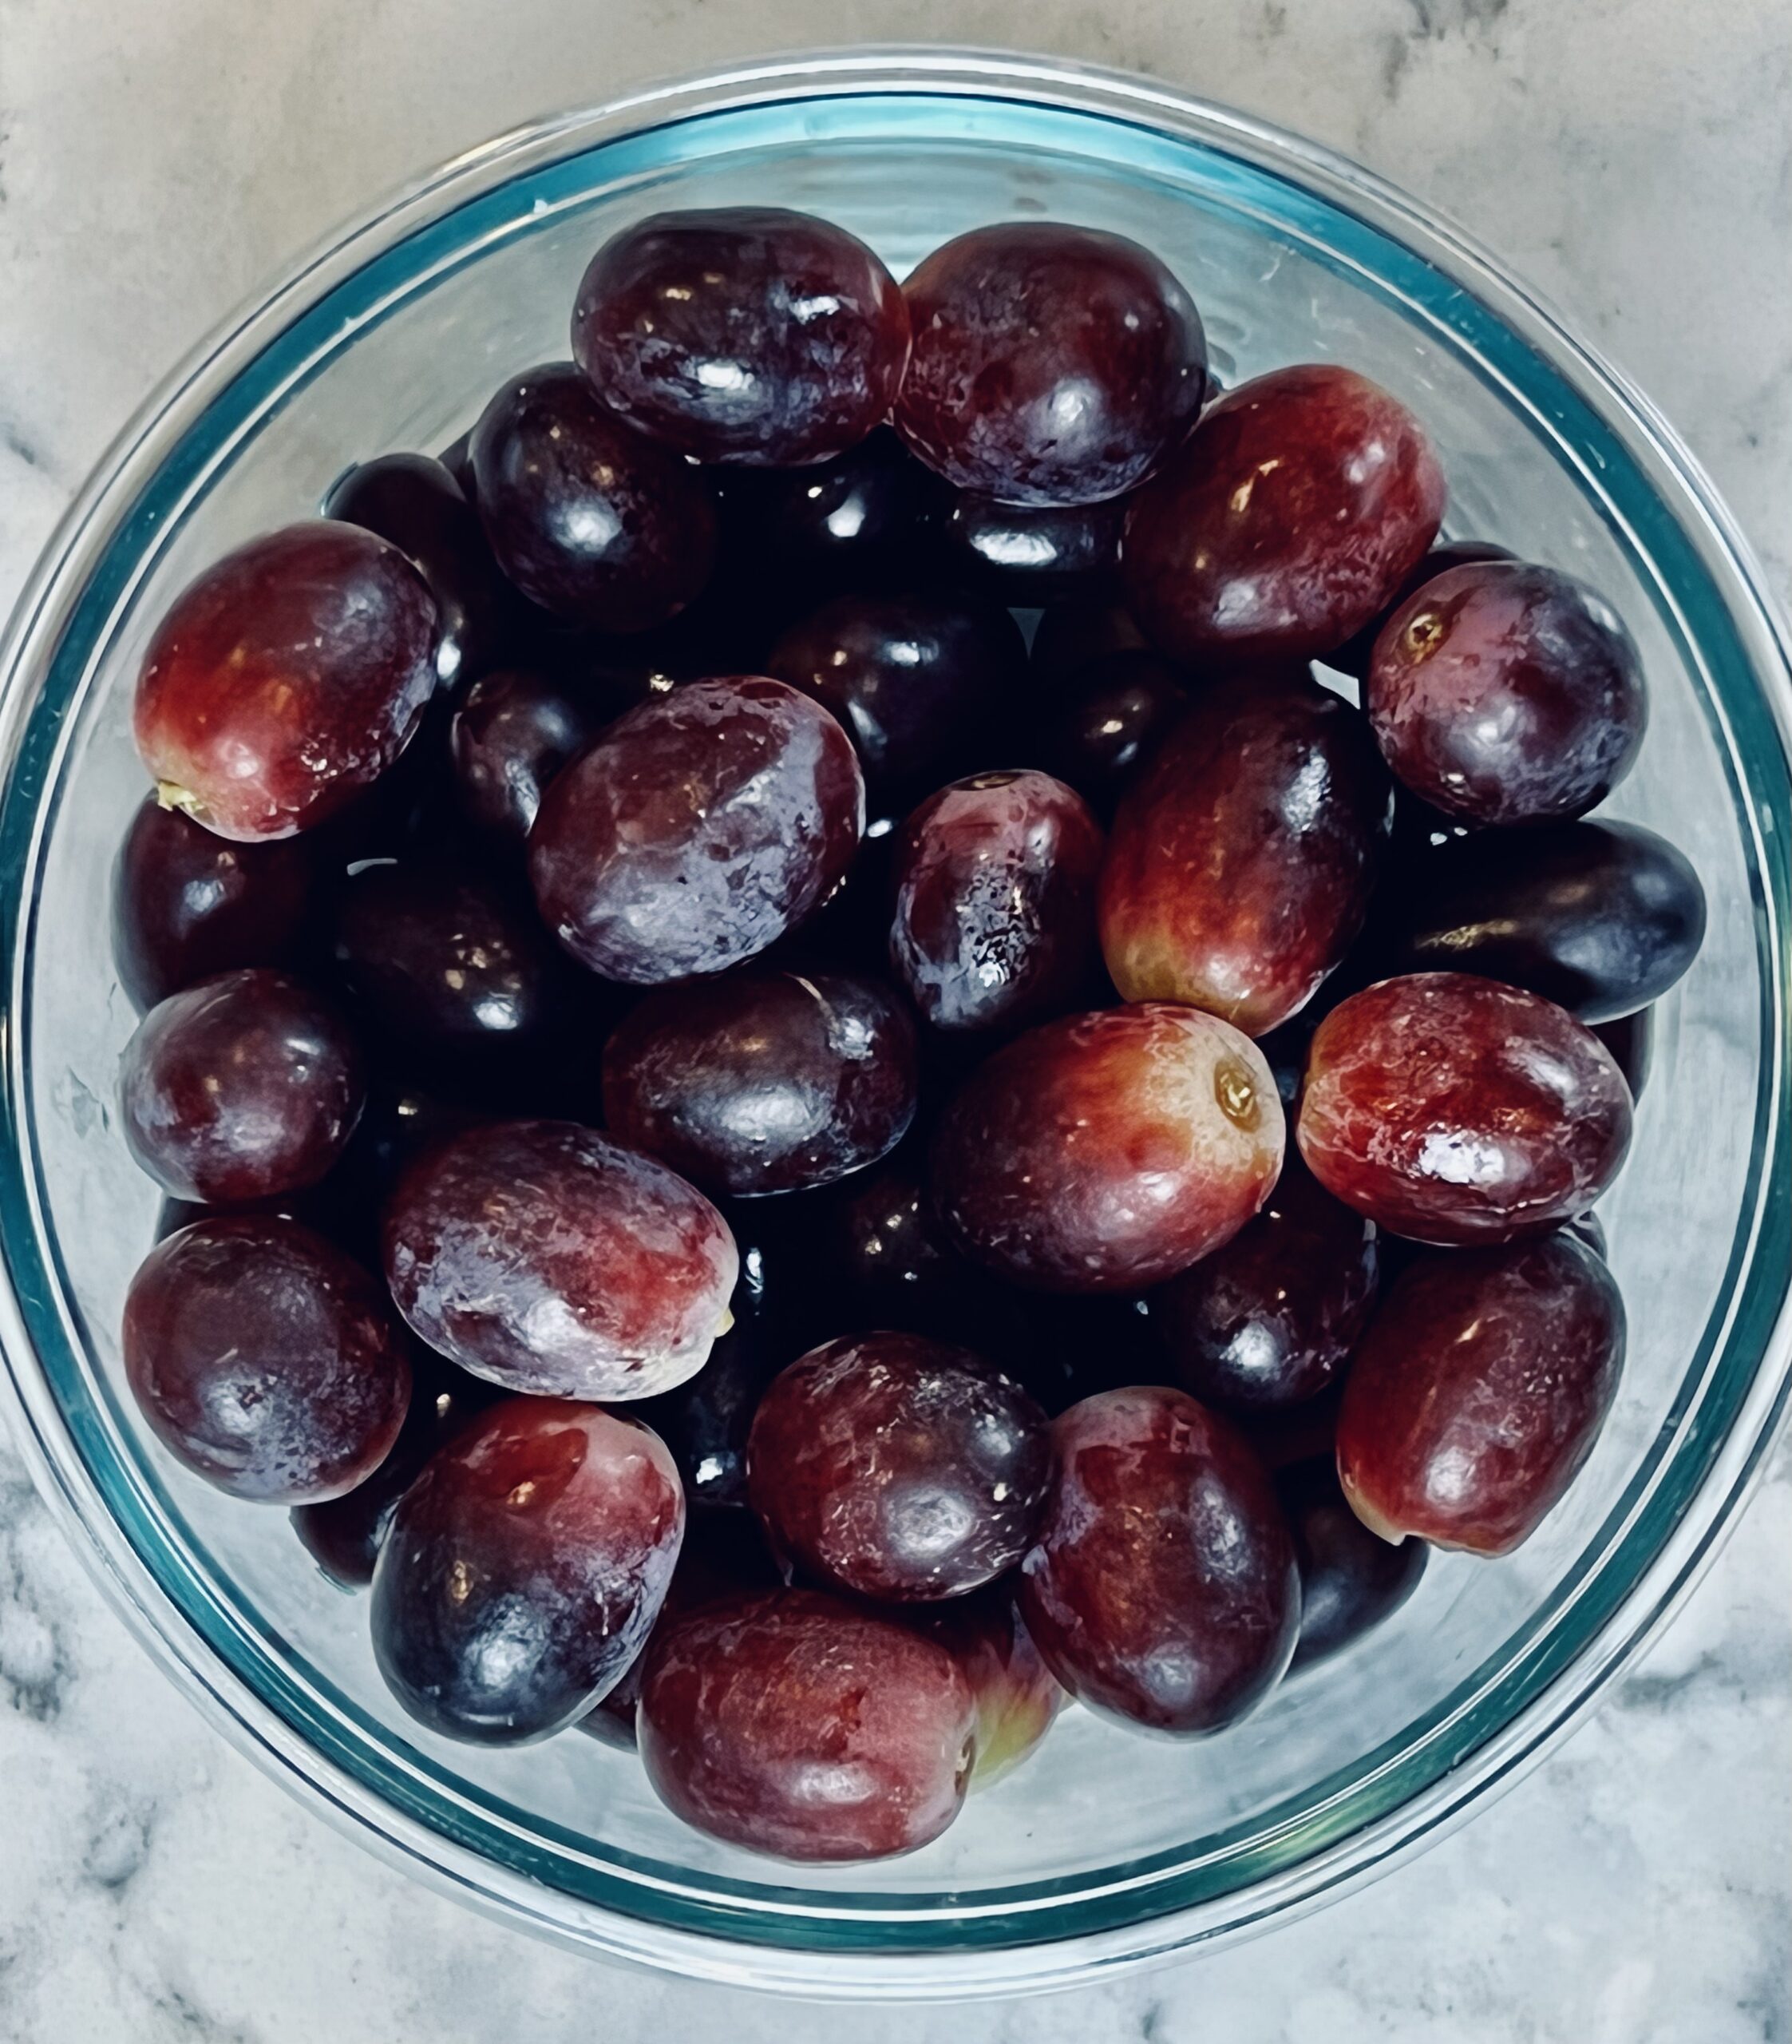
(1107, 1848)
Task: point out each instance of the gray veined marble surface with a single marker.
(1634, 159)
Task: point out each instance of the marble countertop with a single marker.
(1632, 158)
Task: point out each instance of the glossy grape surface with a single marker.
(1353, 657)
(742, 334)
(343, 1536)
(1601, 918)
(698, 829)
(420, 507)
(1033, 553)
(524, 1568)
(513, 731)
(186, 903)
(1106, 1152)
(918, 681)
(1479, 1393)
(1162, 1589)
(803, 1726)
(994, 922)
(550, 1259)
(1456, 1110)
(1050, 364)
(862, 521)
(440, 962)
(1503, 693)
(267, 1360)
(242, 1087)
(898, 1468)
(1285, 521)
(1351, 1580)
(1242, 861)
(286, 678)
(1016, 1696)
(1271, 1319)
(1109, 721)
(589, 518)
(771, 1082)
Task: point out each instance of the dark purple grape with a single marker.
(513, 731)
(803, 1726)
(1016, 1695)
(696, 830)
(265, 1361)
(1285, 521)
(524, 1568)
(1479, 1393)
(917, 680)
(994, 922)
(186, 903)
(1601, 918)
(770, 1081)
(864, 520)
(1503, 693)
(1587, 1228)
(1162, 1589)
(1106, 1152)
(898, 1468)
(742, 334)
(588, 518)
(457, 457)
(243, 1088)
(286, 678)
(1033, 553)
(1050, 364)
(1454, 1110)
(1351, 1580)
(1242, 861)
(1108, 721)
(1271, 1319)
(547, 1258)
(442, 963)
(1353, 657)
(343, 1536)
(419, 506)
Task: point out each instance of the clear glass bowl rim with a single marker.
(778, 1949)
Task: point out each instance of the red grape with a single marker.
(800, 1725)
(589, 518)
(267, 1360)
(1479, 1393)
(1285, 521)
(696, 830)
(524, 1569)
(898, 1467)
(1162, 1588)
(1109, 721)
(995, 917)
(242, 1087)
(1602, 918)
(1106, 1152)
(771, 1082)
(420, 507)
(513, 732)
(547, 1258)
(286, 678)
(1016, 1695)
(1242, 859)
(1270, 1320)
(1353, 657)
(1351, 1579)
(1456, 1110)
(1503, 693)
(917, 680)
(186, 903)
(1051, 364)
(742, 334)
(1033, 553)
